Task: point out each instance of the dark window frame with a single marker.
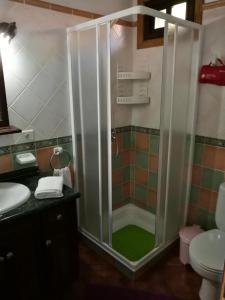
(5, 127)
(147, 36)
(4, 118)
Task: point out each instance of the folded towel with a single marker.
(49, 187)
(66, 175)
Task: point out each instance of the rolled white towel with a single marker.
(49, 187)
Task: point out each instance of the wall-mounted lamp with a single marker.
(8, 30)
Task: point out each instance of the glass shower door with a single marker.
(177, 120)
(89, 83)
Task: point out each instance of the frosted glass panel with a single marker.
(103, 77)
(178, 128)
(167, 89)
(89, 121)
(76, 127)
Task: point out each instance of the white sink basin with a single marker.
(12, 195)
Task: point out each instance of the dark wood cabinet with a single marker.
(60, 251)
(39, 254)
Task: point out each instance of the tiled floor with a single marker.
(169, 277)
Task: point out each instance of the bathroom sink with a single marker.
(12, 195)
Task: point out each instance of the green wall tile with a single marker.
(132, 139)
(142, 159)
(211, 179)
(126, 174)
(211, 221)
(206, 220)
(202, 218)
(198, 152)
(141, 192)
(154, 144)
(131, 172)
(127, 140)
(153, 180)
(116, 161)
(117, 194)
(194, 196)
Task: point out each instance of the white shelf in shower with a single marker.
(133, 100)
(133, 75)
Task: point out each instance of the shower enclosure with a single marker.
(133, 123)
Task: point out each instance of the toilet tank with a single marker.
(220, 208)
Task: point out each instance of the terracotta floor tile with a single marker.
(168, 277)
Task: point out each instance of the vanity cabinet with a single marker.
(39, 254)
(19, 260)
(60, 249)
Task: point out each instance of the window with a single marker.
(7, 32)
(150, 30)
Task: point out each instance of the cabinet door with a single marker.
(61, 250)
(3, 287)
(19, 274)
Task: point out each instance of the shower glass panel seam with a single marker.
(82, 125)
(161, 144)
(185, 142)
(72, 114)
(99, 131)
(109, 138)
(192, 133)
(170, 128)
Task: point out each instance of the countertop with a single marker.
(34, 205)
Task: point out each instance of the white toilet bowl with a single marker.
(207, 252)
(207, 256)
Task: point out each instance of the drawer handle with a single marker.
(48, 243)
(59, 217)
(9, 255)
(2, 259)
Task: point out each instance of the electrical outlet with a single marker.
(28, 135)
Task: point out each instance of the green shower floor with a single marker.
(133, 242)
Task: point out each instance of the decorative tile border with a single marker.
(209, 141)
(5, 150)
(22, 147)
(46, 143)
(71, 11)
(137, 129)
(42, 150)
(146, 130)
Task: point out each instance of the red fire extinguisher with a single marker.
(213, 73)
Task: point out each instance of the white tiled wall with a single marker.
(211, 108)
(149, 60)
(128, 58)
(211, 112)
(35, 70)
(121, 58)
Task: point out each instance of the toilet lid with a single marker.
(208, 249)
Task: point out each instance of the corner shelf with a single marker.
(133, 75)
(133, 100)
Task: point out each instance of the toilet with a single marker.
(207, 253)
